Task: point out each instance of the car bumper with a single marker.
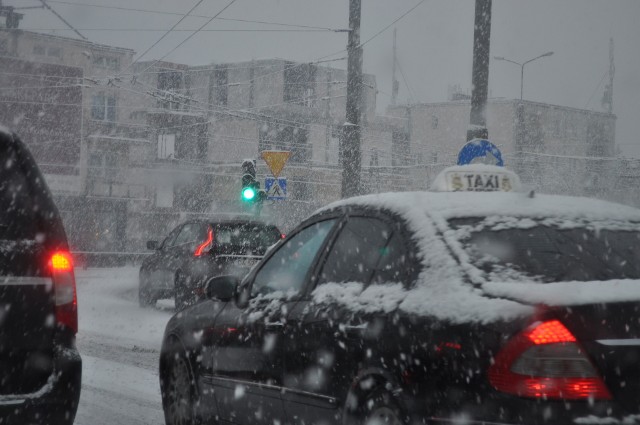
(55, 403)
(496, 409)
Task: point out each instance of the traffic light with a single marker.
(250, 186)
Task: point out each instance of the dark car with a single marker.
(197, 250)
(40, 368)
(422, 308)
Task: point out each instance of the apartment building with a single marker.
(553, 148)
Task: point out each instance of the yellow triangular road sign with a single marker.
(276, 160)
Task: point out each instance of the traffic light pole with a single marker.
(351, 132)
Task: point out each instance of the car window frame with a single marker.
(184, 227)
(165, 246)
(247, 283)
(409, 276)
(336, 240)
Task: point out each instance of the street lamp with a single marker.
(521, 65)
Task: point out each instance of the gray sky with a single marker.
(434, 43)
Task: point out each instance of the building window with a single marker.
(399, 148)
(169, 85)
(166, 146)
(103, 164)
(221, 87)
(103, 108)
(332, 147)
(55, 52)
(95, 164)
(286, 138)
(164, 196)
(299, 84)
(106, 62)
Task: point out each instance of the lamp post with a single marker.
(521, 65)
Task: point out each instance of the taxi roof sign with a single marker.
(477, 178)
(480, 151)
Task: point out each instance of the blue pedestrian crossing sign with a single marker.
(480, 151)
(276, 188)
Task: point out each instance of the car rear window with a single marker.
(243, 236)
(19, 208)
(550, 250)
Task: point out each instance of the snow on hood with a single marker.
(443, 289)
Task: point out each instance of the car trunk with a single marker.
(27, 317)
(610, 333)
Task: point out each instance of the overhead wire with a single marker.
(160, 12)
(164, 35)
(175, 30)
(194, 33)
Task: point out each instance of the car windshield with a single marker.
(543, 251)
(245, 236)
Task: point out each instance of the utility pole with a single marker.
(607, 99)
(350, 142)
(395, 84)
(480, 72)
(11, 18)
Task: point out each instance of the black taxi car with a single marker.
(423, 307)
(40, 367)
(200, 249)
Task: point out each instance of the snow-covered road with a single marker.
(120, 344)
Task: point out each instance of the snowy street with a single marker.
(120, 344)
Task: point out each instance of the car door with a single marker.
(244, 364)
(331, 331)
(175, 254)
(156, 265)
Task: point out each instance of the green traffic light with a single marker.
(248, 193)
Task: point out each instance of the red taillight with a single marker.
(64, 283)
(205, 245)
(61, 261)
(550, 332)
(546, 361)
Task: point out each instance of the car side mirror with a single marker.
(153, 245)
(221, 288)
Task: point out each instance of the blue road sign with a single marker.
(276, 188)
(483, 150)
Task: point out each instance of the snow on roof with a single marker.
(480, 204)
(443, 289)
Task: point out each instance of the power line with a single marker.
(159, 12)
(404, 78)
(392, 23)
(62, 19)
(175, 30)
(163, 35)
(192, 34)
(596, 90)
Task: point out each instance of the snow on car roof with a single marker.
(480, 204)
(443, 289)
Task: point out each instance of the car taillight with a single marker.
(64, 283)
(207, 244)
(546, 361)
